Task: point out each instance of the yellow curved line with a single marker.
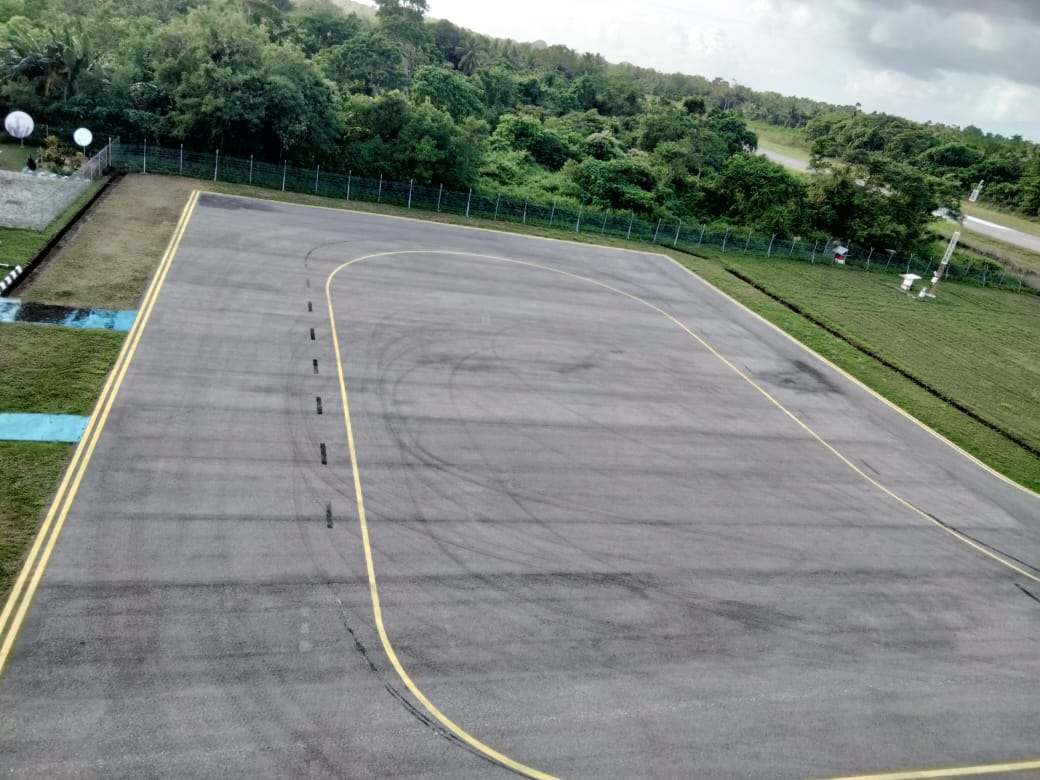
(377, 610)
(373, 588)
(47, 537)
(957, 771)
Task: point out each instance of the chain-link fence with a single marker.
(32, 199)
(564, 217)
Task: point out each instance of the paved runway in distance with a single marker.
(618, 527)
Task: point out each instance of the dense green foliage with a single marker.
(396, 95)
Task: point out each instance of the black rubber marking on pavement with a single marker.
(1033, 597)
(317, 400)
(328, 515)
(312, 334)
(315, 363)
(324, 457)
(310, 306)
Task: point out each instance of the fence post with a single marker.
(552, 213)
(349, 173)
(284, 168)
(657, 230)
(1021, 279)
(525, 211)
(144, 165)
(748, 242)
(317, 172)
(769, 251)
(604, 227)
(724, 241)
(870, 254)
(812, 260)
(676, 242)
(180, 166)
(577, 225)
(628, 236)
(793, 242)
(701, 238)
(250, 169)
(216, 165)
(498, 199)
(411, 182)
(440, 192)
(379, 192)
(469, 199)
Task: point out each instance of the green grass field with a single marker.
(785, 140)
(972, 344)
(54, 370)
(13, 155)
(31, 471)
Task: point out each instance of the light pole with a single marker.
(941, 270)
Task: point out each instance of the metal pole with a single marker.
(525, 211)
(552, 213)
(317, 172)
(497, 201)
(724, 241)
(379, 193)
(812, 260)
(348, 183)
(676, 242)
(793, 242)
(870, 254)
(410, 183)
(440, 192)
(769, 251)
(604, 222)
(628, 236)
(250, 169)
(944, 264)
(469, 199)
(144, 167)
(180, 167)
(284, 167)
(658, 230)
(748, 242)
(703, 228)
(577, 225)
(216, 165)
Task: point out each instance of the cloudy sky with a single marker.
(959, 62)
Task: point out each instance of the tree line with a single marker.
(395, 94)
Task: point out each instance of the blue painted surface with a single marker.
(42, 427)
(12, 310)
(8, 309)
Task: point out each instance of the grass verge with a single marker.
(970, 343)
(31, 471)
(54, 370)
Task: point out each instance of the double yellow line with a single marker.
(17, 605)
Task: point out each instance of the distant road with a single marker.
(985, 227)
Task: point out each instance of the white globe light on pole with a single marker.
(83, 138)
(19, 124)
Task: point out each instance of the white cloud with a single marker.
(951, 61)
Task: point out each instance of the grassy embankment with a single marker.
(106, 264)
(971, 344)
